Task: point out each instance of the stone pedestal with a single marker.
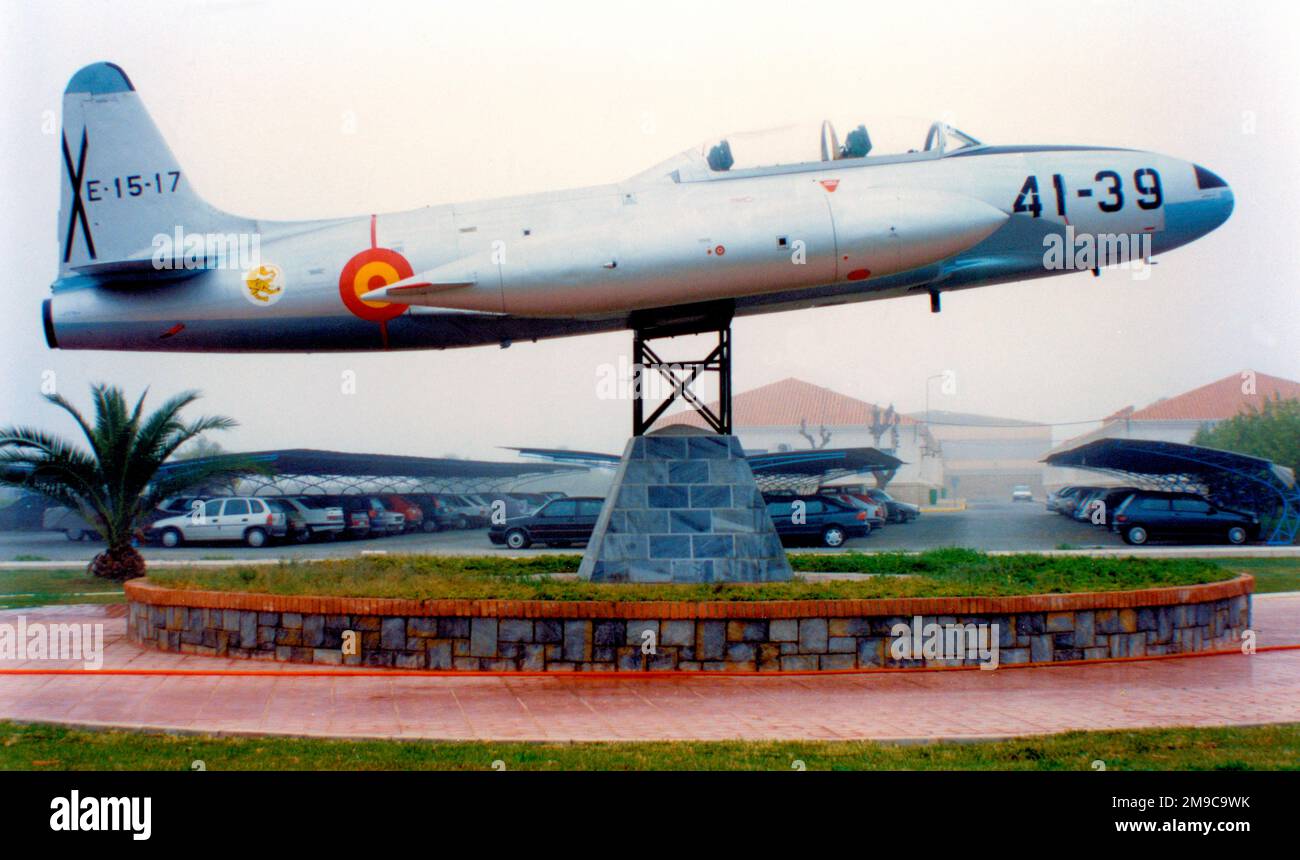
(684, 509)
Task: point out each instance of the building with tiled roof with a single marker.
(1224, 398)
(786, 403)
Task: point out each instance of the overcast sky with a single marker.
(319, 109)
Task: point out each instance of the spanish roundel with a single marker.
(373, 269)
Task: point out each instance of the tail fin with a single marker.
(121, 184)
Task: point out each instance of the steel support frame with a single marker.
(682, 375)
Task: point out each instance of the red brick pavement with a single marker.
(1203, 691)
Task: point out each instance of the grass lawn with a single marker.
(937, 573)
(1271, 574)
(28, 588)
(50, 747)
(22, 589)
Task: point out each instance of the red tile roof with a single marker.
(786, 403)
(1214, 402)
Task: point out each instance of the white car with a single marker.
(313, 518)
(235, 518)
(1022, 493)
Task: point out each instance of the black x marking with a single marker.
(78, 206)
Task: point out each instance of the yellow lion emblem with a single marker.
(263, 283)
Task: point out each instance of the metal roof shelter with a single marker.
(1232, 480)
(785, 470)
(303, 470)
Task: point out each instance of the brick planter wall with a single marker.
(793, 635)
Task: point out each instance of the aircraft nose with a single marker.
(1216, 197)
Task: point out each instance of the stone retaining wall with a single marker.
(553, 636)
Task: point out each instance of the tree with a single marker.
(121, 478)
(812, 442)
(1271, 431)
(200, 448)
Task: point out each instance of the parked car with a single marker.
(877, 515)
(413, 514)
(559, 522)
(1083, 503)
(1110, 499)
(1022, 493)
(175, 506)
(356, 514)
(314, 517)
(519, 504)
(824, 518)
(380, 520)
(281, 513)
(490, 503)
(73, 525)
(482, 504)
(532, 501)
(462, 512)
(1056, 498)
(1068, 499)
(383, 519)
(232, 518)
(895, 511)
(1147, 515)
(433, 518)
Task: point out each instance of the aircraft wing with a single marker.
(423, 288)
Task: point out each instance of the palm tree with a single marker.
(122, 477)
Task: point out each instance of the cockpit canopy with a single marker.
(804, 144)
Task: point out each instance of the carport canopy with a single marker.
(304, 470)
(781, 470)
(1229, 479)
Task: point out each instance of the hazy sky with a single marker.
(318, 109)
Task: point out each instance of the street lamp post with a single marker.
(928, 379)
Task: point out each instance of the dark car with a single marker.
(559, 522)
(821, 518)
(1147, 515)
(1110, 500)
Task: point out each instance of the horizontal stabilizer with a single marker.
(144, 263)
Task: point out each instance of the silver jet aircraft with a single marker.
(146, 264)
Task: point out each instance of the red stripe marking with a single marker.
(624, 674)
(373, 218)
